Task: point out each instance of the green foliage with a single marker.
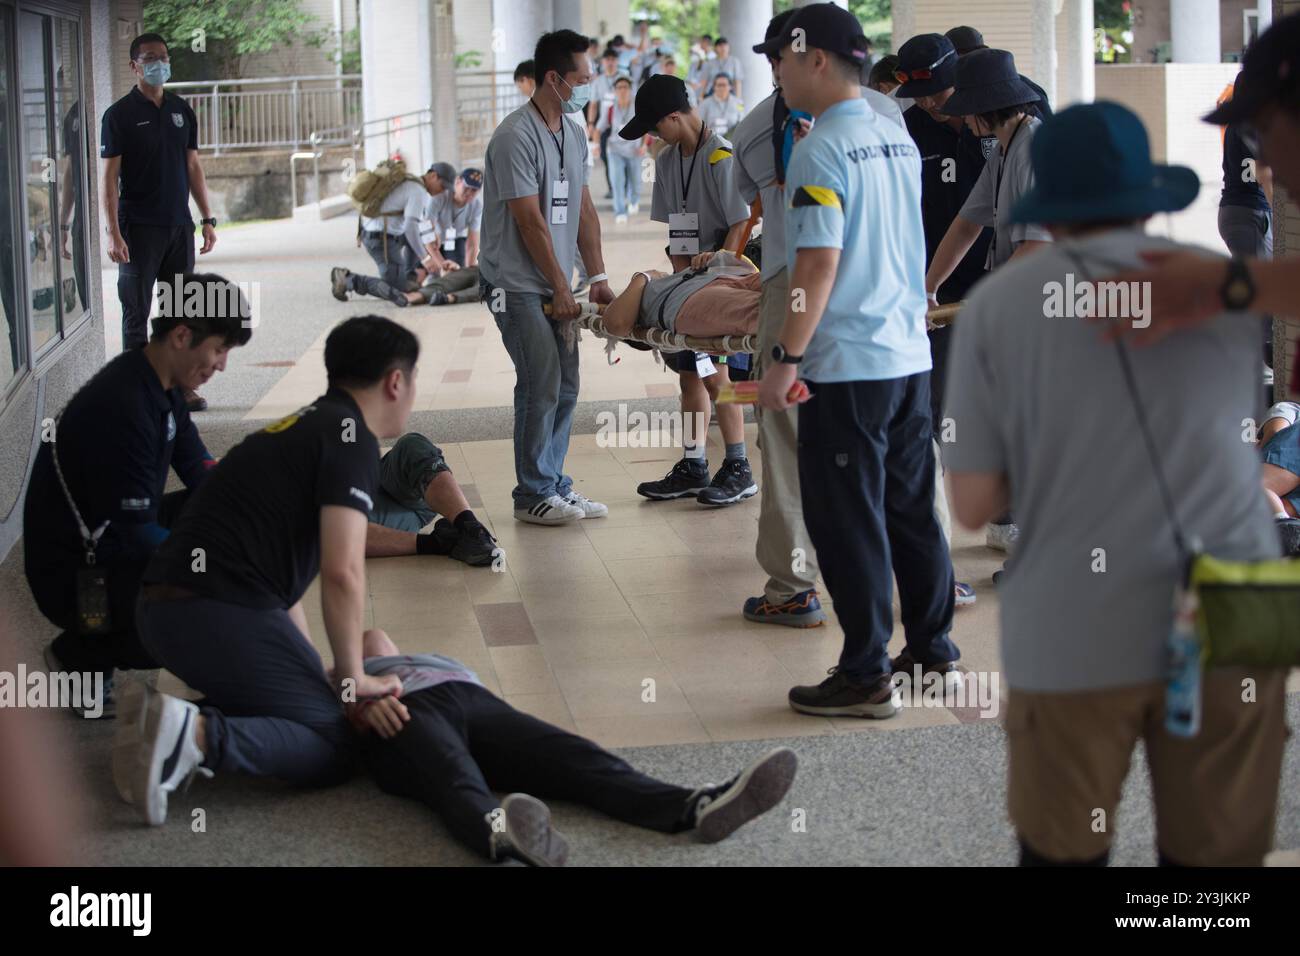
(208, 39)
(470, 59)
(350, 54)
(1112, 14)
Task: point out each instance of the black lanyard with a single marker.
(997, 186)
(557, 140)
(686, 180)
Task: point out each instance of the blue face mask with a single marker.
(579, 96)
(157, 73)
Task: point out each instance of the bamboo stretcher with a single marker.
(589, 318)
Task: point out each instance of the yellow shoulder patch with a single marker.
(815, 196)
(718, 155)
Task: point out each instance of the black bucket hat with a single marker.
(987, 80)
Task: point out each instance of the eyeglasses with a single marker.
(925, 73)
(146, 60)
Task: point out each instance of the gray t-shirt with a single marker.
(984, 208)
(523, 160)
(730, 66)
(1086, 604)
(450, 219)
(720, 116)
(419, 671)
(713, 194)
(614, 119)
(664, 297)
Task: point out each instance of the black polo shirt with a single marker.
(154, 183)
(116, 439)
(257, 518)
(951, 162)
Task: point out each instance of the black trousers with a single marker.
(56, 595)
(866, 477)
(463, 742)
(155, 251)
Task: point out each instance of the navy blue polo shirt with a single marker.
(116, 440)
(1238, 190)
(154, 183)
(951, 162)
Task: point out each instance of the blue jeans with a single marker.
(546, 391)
(625, 181)
(866, 477)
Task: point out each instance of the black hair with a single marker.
(616, 40)
(555, 51)
(995, 118)
(361, 350)
(705, 36)
(524, 71)
(144, 38)
(722, 76)
(608, 52)
(884, 70)
(722, 40)
(205, 303)
(622, 78)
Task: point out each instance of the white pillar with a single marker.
(518, 26)
(903, 14)
(1075, 73)
(1265, 9)
(1194, 31)
(743, 23)
(567, 15)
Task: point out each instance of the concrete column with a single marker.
(407, 60)
(743, 23)
(903, 13)
(1194, 31)
(1075, 72)
(516, 28)
(567, 15)
(1265, 8)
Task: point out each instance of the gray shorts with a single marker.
(404, 474)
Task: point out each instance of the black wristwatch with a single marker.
(209, 222)
(779, 354)
(1238, 290)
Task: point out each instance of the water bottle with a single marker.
(1183, 683)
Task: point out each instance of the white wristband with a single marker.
(603, 277)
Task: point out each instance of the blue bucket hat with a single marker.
(987, 80)
(1092, 162)
(927, 64)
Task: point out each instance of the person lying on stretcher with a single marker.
(718, 295)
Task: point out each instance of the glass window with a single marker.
(71, 181)
(39, 173)
(11, 352)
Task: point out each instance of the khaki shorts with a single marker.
(1215, 794)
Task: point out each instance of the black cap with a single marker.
(825, 27)
(446, 172)
(1270, 71)
(930, 64)
(659, 95)
(965, 39)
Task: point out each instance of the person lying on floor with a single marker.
(448, 742)
(415, 487)
(455, 284)
(717, 295)
(1279, 444)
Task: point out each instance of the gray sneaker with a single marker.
(339, 283)
(720, 811)
(528, 835)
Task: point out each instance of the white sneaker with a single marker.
(552, 510)
(590, 509)
(155, 750)
(1002, 537)
(634, 208)
(620, 219)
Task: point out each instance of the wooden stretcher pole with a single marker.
(755, 213)
(943, 314)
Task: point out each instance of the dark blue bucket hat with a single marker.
(987, 80)
(1092, 162)
(927, 64)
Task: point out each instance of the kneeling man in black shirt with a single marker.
(220, 606)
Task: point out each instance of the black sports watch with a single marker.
(209, 222)
(779, 354)
(1238, 290)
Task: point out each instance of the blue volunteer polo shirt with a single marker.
(854, 184)
(154, 143)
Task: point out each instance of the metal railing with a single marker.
(483, 99)
(271, 112)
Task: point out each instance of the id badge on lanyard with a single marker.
(684, 233)
(559, 202)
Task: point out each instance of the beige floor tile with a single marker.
(908, 718)
(459, 643)
(668, 575)
(598, 601)
(403, 611)
(644, 730)
(576, 642)
(705, 663)
(701, 612)
(522, 669)
(414, 573)
(597, 689)
(643, 541)
(754, 712)
(488, 586)
(548, 707)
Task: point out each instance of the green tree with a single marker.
(208, 39)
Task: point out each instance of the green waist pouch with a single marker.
(1249, 611)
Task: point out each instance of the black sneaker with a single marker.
(838, 696)
(437, 297)
(733, 482)
(688, 478)
(442, 539)
(474, 545)
(339, 283)
(905, 663)
(719, 811)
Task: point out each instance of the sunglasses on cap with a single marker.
(925, 73)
